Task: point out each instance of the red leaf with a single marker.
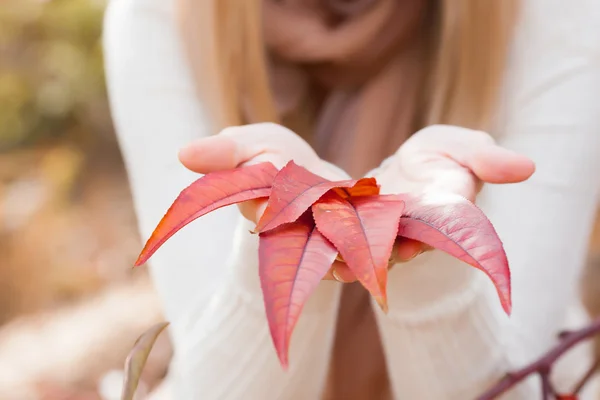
(292, 261)
(363, 229)
(210, 192)
(458, 227)
(295, 189)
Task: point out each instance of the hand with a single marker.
(251, 144)
(447, 158)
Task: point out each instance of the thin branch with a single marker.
(548, 391)
(544, 364)
(590, 372)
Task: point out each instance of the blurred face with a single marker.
(348, 7)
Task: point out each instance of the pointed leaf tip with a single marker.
(293, 259)
(209, 193)
(458, 227)
(382, 303)
(364, 230)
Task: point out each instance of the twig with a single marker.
(543, 365)
(547, 388)
(587, 376)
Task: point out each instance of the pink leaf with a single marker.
(364, 230)
(458, 227)
(295, 189)
(292, 261)
(210, 192)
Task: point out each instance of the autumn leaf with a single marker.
(210, 192)
(309, 220)
(364, 230)
(136, 360)
(294, 190)
(293, 259)
(363, 187)
(453, 224)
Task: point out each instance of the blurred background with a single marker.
(71, 306)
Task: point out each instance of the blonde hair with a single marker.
(468, 52)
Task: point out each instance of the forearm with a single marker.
(229, 354)
(445, 319)
(156, 113)
(448, 312)
(453, 349)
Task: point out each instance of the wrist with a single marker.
(432, 284)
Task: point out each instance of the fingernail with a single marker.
(338, 277)
(417, 253)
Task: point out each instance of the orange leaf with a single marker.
(293, 259)
(210, 192)
(295, 189)
(458, 227)
(364, 230)
(363, 187)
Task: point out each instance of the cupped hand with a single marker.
(443, 158)
(251, 144)
(439, 158)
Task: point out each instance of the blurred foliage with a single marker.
(51, 71)
(63, 189)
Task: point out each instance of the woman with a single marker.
(355, 79)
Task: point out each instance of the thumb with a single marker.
(476, 151)
(240, 145)
(213, 153)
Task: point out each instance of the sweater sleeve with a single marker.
(446, 336)
(156, 112)
(207, 274)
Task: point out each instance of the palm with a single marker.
(448, 159)
(429, 172)
(451, 159)
(441, 158)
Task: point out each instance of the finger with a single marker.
(253, 209)
(495, 164)
(488, 161)
(210, 154)
(407, 249)
(340, 272)
(475, 150)
(239, 145)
